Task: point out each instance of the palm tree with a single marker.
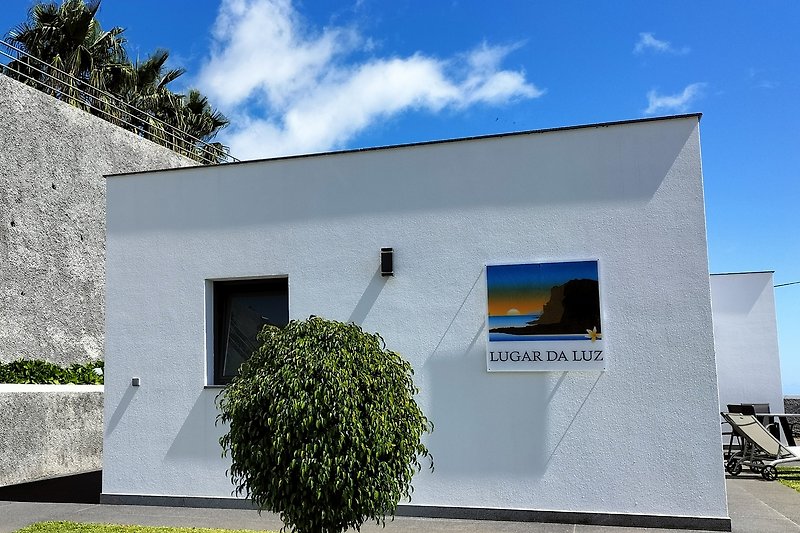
(190, 114)
(203, 122)
(70, 38)
(89, 67)
(147, 91)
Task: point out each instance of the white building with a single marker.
(634, 440)
(746, 339)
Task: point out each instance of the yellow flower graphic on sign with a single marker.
(592, 334)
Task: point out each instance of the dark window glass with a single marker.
(241, 308)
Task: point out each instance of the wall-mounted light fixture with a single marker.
(387, 262)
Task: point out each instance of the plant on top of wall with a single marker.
(36, 371)
(323, 426)
(90, 68)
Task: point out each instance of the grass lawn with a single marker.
(72, 527)
(790, 476)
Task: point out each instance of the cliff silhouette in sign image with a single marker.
(573, 308)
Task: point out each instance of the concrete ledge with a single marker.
(49, 430)
(177, 501)
(19, 387)
(568, 517)
(460, 513)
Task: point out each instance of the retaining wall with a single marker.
(791, 404)
(53, 157)
(49, 430)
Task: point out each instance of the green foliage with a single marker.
(70, 38)
(789, 476)
(90, 68)
(42, 372)
(323, 426)
(74, 527)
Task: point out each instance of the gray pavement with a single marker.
(755, 506)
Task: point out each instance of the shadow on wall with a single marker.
(610, 165)
(484, 423)
(368, 299)
(498, 422)
(742, 300)
(198, 437)
(489, 423)
(122, 406)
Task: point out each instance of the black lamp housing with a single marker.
(387, 262)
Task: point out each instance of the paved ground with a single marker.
(755, 506)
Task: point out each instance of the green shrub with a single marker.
(36, 371)
(323, 426)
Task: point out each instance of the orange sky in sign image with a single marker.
(524, 289)
(521, 301)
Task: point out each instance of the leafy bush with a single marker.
(41, 372)
(323, 426)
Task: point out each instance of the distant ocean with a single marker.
(507, 337)
(511, 321)
(518, 321)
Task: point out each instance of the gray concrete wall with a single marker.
(52, 222)
(49, 430)
(791, 404)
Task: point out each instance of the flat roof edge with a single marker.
(745, 272)
(698, 116)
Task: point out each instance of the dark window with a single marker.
(241, 308)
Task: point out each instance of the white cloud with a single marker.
(673, 102)
(289, 88)
(647, 41)
(755, 75)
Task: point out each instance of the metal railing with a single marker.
(83, 95)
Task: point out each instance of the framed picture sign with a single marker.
(544, 317)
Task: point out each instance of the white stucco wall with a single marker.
(746, 339)
(642, 437)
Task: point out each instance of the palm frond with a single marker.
(90, 68)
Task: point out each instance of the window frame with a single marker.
(222, 293)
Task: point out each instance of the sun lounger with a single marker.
(761, 452)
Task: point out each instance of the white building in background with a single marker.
(634, 440)
(746, 339)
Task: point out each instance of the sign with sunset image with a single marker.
(544, 317)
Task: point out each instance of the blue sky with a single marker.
(313, 76)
